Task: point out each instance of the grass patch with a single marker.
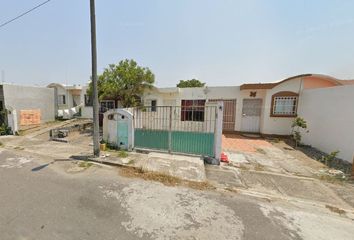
(244, 167)
(261, 151)
(164, 179)
(231, 189)
(1, 144)
(259, 167)
(331, 179)
(274, 140)
(123, 154)
(85, 164)
(335, 209)
(19, 148)
(20, 132)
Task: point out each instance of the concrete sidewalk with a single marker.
(180, 166)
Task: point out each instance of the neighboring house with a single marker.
(104, 104)
(24, 106)
(266, 108)
(67, 99)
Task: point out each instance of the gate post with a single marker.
(170, 131)
(218, 130)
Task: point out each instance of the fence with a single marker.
(183, 129)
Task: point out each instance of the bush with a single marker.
(298, 123)
(5, 130)
(329, 158)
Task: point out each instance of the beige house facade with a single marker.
(266, 108)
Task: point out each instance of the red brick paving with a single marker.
(235, 142)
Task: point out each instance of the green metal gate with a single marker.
(185, 129)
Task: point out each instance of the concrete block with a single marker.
(184, 167)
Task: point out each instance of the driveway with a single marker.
(278, 170)
(40, 201)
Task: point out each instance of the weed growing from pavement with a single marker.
(123, 154)
(261, 151)
(164, 179)
(85, 164)
(259, 167)
(336, 210)
(332, 179)
(1, 144)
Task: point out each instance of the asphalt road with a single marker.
(45, 202)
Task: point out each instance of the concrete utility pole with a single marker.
(96, 127)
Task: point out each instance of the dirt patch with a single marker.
(335, 209)
(164, 179)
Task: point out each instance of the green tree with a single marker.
(126, 81)
(190, 83)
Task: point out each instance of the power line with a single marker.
(23, 14)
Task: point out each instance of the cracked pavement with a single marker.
(98, 203)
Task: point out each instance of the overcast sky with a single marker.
(221, 42)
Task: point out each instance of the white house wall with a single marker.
(30, 98)
(278, 125)
(164, 99)
(86, 111)
(329, 113)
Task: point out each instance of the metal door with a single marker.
(228, 114)
(251, 114)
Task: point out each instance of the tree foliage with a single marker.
(190, 83)
(125, 81)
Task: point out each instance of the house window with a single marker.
(192, 110)
(284, 104)
(106, 105)
(1, 107)
(153, 105)
(61, 99)
(88, 101)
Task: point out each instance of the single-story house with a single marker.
(266, 108)
(270, 108)
(67, 100)
(23, 106)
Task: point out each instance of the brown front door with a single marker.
(229, 113)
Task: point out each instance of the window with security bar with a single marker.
(106, 105)
(285, 106)
(192, 110)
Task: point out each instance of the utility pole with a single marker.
(96, 127)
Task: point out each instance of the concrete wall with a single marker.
(279, 125)
(329, 113)
(27, 98)
(86, 111)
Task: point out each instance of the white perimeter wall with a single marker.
(29, 98)
(329, 113)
